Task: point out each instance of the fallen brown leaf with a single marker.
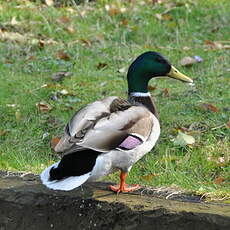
(124, 22)
(12, 36)
(165, 92)
(164, 17)
(210, 107)
(61, 54)
(63, 19)
(30, 58)
(113, 11)
(182, 129)
(152, 87)
(70, 29)
(156, 1)
(167, 17)
(84, 84)
(54, 141)
(49, 41)
(217, 44)
(219, 180)
(213, 45)
(228, 124)
(7, 61)
(102, 65)
(43, 107)
(85, 41)
(41, 43)
(3, 132)
(100, 37)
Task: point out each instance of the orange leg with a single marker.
(123, 186)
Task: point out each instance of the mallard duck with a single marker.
(113, 133)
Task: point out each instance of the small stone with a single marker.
(198, 58)
(187, 61)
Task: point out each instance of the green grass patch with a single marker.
(113, 33)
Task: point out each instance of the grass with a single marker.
(32, 36)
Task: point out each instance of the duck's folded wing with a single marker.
(81, 121)
(108, 128)
(110, 132)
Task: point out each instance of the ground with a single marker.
(93, 206)
(93, 44)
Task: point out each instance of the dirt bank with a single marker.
(26, 204)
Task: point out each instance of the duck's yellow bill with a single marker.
(176, 74)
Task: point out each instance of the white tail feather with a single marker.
(65, 184)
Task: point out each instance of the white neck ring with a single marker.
(140, 94)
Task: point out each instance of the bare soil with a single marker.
(26, 204)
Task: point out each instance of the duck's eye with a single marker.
(160, 59)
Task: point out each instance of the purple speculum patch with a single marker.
(130, 142)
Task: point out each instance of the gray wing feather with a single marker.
(102, 127)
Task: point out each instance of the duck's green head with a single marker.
(148, 65)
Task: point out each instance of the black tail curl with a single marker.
(74, 164)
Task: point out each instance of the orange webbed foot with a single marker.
(123, 187)
(126, 188)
